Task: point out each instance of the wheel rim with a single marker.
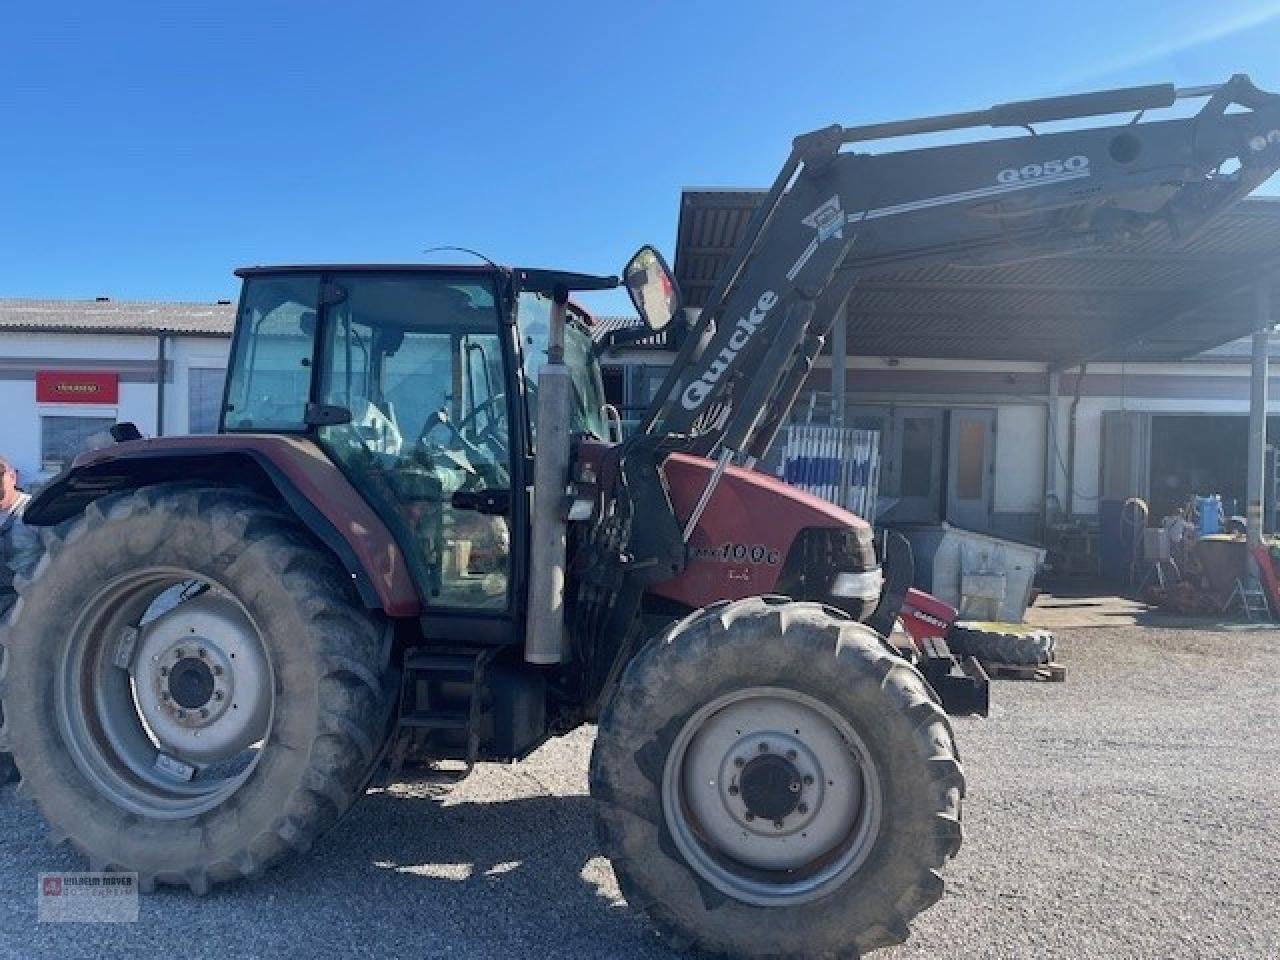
(771, 796)
(166, 694)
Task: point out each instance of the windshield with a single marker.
(533, 318)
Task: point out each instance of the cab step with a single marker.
(440, 708)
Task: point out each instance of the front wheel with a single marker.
(771, 780)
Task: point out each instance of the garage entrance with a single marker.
(1201, 454)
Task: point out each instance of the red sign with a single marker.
(70, 386)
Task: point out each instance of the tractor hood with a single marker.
(759, 535)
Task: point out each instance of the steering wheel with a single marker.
(457, 437)
(489, 408)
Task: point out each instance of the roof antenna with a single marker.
(474, 253)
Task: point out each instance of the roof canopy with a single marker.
(1153, 300)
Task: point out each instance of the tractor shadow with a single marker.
(487, 877)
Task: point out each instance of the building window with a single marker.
(204, 398)
(971, 458)
(63, 438)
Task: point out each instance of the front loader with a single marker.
(419, 542)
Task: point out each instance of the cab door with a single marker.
(417, 359)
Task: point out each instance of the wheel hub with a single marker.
(201, 680)
(191, 683)
(770, 786)
(770, 795)
(772, 783)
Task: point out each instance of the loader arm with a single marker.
(834, 217)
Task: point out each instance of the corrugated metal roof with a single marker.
(1154, 299)
(115, 316)
(603, 326)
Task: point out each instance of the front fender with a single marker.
(291, 469)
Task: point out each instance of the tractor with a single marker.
(420, 541)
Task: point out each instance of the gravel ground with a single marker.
(1127, 813)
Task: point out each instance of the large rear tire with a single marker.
(772, 781)
(192, 690)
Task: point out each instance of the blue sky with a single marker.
(147, 149)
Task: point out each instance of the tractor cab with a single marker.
(419, 383)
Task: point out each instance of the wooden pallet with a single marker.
(1047, 672)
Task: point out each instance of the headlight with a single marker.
(862, 586)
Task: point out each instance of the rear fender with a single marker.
(290, 469)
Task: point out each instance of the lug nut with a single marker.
(794, 786)
(764, 748)
(218, 695)
(778, 823)
(808, 780)
(202, 653)
(802, 808)
(733, 790)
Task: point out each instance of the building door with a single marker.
(910, 460)
(971, 468)
(1126, 455)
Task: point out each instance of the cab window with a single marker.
(533, 319)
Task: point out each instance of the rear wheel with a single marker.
(771, 780)
(192, 689)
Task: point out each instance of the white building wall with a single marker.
(186, 354)
(132, 357)
(1019, 467)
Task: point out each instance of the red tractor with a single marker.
(419, 538)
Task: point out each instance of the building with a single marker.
(1139, 386)
(69, 369)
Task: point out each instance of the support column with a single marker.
(1050, 445)
(839, 357)
(1258, 414)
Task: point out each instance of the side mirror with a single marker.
(652, 288)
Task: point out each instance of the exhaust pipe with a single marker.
(545, 640)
